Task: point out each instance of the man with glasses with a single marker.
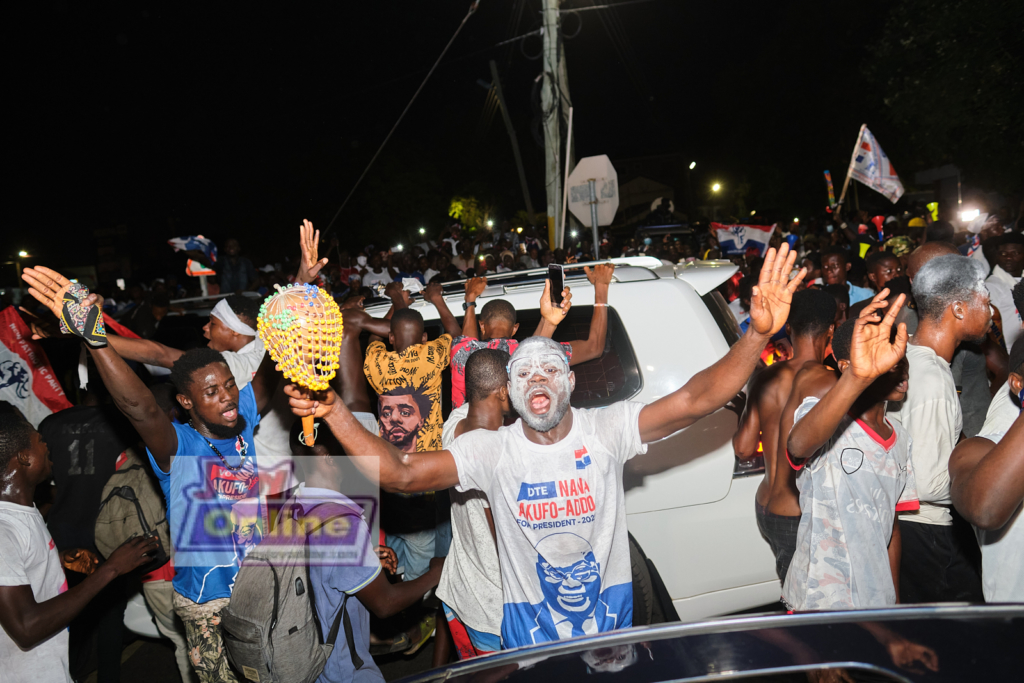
(554, 477)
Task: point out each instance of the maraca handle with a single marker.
(307, 429)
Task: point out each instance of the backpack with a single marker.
(279, 639)
(132, 505)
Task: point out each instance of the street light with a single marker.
(23, 254)
(716, 187)
(490, 224)
(572, 234)
(423, 231)
(519, 230)
(693, 165)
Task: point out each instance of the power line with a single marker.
(472, 10)
(614, 4)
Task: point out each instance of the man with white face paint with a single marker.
(554, 477)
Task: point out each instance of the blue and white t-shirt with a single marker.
(560, 516)
(214, 511)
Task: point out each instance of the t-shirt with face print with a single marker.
(850, 493)
(409, 388)
(560, 519)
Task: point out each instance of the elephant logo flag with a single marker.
(737, 240)
(26, 378)
(872, 167)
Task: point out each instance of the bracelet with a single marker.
(605, 305)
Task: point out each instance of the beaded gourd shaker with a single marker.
(301, 327)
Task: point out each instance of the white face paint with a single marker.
(540, 385)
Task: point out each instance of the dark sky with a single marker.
(242, 118)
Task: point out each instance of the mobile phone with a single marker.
(557, 278)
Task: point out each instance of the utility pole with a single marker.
(512, 135)
(555, 90)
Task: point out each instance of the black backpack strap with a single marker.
(343, 619)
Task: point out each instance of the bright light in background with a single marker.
(716, 187)
(519, 230)
(23, 254)
(796, 220)
(120, 283)
(490, 224)
(572, 234)
(693, 165)
(969, 215)
(423, 231)
(482, 257)
(398, 247)
(752, 213)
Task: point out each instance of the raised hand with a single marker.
(549, 311)
(433, 293)
(773, 294)
(47, 287)
(309, 265)
(871, 352)
(600, 274)
(475, 286)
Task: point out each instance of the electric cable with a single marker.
(471, 12)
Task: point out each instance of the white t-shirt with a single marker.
(471, 578)
(932, 416)
(277, 470)
(1000, 287)
(849, 496)
(371, 278)
(560, 516)
(28, 557)
(245, 362)
(1002, 550)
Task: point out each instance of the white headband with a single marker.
(222, 311)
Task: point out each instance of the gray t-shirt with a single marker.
(849, 495)
(560, 516)
(471, 579)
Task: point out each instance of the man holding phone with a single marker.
(496, 325)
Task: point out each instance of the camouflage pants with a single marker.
(205, 643)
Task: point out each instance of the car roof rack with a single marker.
(627, 269)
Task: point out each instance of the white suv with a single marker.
(689, 502)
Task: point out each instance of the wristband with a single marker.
(82, 321)
(605, 305)
(467, 304)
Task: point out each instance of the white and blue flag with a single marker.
(737, 240)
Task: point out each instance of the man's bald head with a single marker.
(926, 253)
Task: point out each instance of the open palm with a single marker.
(773, 294)
(871, 352)
(47, 287)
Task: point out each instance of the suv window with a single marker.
(723, 316)
(612, 377)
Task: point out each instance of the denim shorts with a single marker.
(780, 532)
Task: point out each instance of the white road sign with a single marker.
(599, 169)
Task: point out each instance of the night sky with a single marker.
(243, 118)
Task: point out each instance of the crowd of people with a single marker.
(880, 361)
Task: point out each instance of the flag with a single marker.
(26, 378)
(870, 166)
(736, 240)
(199, 242)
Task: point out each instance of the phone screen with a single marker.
(557, 278)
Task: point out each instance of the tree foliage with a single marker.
(949, 74)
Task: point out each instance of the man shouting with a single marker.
(554, 478)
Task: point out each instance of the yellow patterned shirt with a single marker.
(409, 388)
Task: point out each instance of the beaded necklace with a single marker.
(233, 468)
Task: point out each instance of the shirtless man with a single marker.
(810, 328)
